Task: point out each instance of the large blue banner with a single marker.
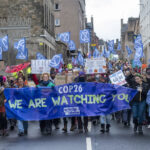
(78, 99)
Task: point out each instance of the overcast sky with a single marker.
(107, 15)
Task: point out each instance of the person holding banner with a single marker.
(22, 125)
(104, 119)
(52, 79)
(82, 78)
(21, 74)
(3, 120)
(126, 114)
(46, 125)
(11, 84)
(138, 104)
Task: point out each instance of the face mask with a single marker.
(53, 77)
(11, 82)
(82, 79)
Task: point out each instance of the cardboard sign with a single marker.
(31, 84)
(118, 78)
(70, 77)
(60, 79)
(40, 66)
(95, 65)
(1, 65)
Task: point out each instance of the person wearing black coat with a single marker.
(138, 104)
(82, 78)
(126, 114)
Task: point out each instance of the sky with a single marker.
(108, 13)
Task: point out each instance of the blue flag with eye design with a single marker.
(138, 46)
(64, 37)
(119, 46)
(5, 43)
(128, 50)
(85, 36)
(72, 45)
(57, 61)
(96, 53)
(1, 50)
(22, 50)
(80, 59)
(70, 100)
(111, 46)
(39, 56)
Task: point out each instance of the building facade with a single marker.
(32, 19)
(145, 27)
(70, 17)
(128, 31)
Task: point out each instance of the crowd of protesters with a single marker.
(139, 113)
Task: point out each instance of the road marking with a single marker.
(89, 126)
(88, 143)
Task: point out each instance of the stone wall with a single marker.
(29, 19)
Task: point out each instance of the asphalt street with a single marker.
(119, 138)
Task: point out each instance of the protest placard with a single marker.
(40, 66)
(1, 65)
(70, 77)
(17, 68)
(118, 78)
(60, 79)
(97, 65)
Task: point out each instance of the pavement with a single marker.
(119, 138)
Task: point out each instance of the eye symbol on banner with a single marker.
(72, 45)
(21, 44)
(21, 55)
(56, 61)
(4, 42)
(65, 37)
(85, 36)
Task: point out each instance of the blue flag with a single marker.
(111, 46)
(89, 55)
(110, 67)
(119, 46)
(39, 56)
(5, 43)
(1, 50)
(80, 59)
(64, 37)
(138, 45)
(74, 61)
(22, 55)
(70, 100)
(137, 63)
(85, 36)
(72, 45)
(96, 53)
(56, 61)
(128, 50)
(104, 53)
(22, 50)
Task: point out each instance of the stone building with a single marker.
(145, 27)
(94, 37)
(70, 17)
(128, 31)
(32, 19)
